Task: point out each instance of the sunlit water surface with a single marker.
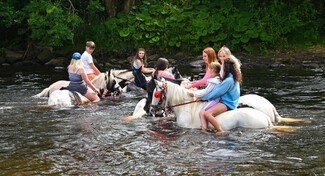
(91, 139)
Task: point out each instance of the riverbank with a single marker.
(311, 58)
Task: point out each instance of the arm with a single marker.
(96, 71)
(165, 74)
(201, 93)
(147, 70)
(220, 90)
(85, 78)
(203, 80)
(143, 69)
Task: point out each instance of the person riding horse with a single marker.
(161, 71)
(78, 78)
(139, 67)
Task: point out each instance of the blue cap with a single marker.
(76, 56)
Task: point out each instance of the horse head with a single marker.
(112, 88)
(175, 72)
(168, 95)
(179, 79)
(158, 98)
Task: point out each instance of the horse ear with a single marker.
(157, 82)
(106, 75)
(163, 79)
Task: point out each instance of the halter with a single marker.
(162, 104)
(111, 86)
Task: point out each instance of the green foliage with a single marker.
(7, 14)
(192, 26)
(50, 24)
(165, 26)
(11, 23)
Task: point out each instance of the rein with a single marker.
(181, 104)
(164, 90)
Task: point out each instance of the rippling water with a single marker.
(91, 139)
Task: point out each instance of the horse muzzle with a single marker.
(157, 111)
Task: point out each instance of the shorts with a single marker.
(209, 104)
(81, 88)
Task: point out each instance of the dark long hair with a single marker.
(162, 64)
(144, 57)
(229, 67)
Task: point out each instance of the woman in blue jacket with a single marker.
(228, 91)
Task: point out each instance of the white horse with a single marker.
(66, 98)
(262, 104)
(169, 95)
(251, 100)
(112, 80)
(125, 77)
(101, 81)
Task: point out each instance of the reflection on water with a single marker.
(91, 139)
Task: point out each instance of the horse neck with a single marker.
(123, 74)
(99, 81)
(176, 94)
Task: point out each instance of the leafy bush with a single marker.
(50, 24)
(254, 26)
(164, 26)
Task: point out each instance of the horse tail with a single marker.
(44, 93)
(278, 118)
(44, 106)
(286, 129)
(129, 118)
(295, 120)
(76, 97)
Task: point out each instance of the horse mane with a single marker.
(177, 93)
(99, 81)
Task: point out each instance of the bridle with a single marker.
(113, 89)
(162, 104)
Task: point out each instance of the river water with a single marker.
(91, 139)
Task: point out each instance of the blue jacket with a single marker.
(228, 91)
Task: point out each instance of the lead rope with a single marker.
(181, 104)
(165, 91)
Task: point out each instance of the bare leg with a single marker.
(214, 111)
(92, 96)
(204, 123)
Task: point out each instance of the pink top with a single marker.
(204, 80)
(165, 74)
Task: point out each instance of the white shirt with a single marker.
(212, 83)
(87, 59)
